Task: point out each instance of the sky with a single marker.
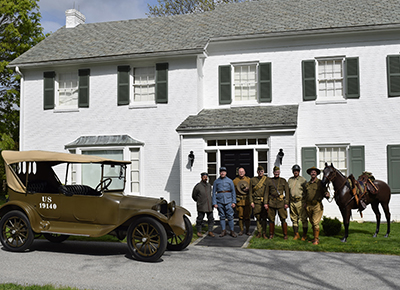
(53, 11)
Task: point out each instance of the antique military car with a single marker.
(40, 204)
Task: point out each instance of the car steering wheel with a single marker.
(105, 182)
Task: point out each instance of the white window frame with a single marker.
(341, 79)
(140, 104)
(256, 84)
(57, 89)
(321, 162)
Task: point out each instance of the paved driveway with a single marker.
(100, 265)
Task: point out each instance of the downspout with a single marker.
(21, 108)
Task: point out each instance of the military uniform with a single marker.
(243, 204)
(297, 211)
(315, 193)
(256, 195)
(224, 196)
(202, 195)
(277, 197)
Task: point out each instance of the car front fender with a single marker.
(176, 222)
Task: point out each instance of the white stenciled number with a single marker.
(47, 203)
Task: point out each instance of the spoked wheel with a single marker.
(178, 243)
(16, 231)
(147, 239)
(55, 238)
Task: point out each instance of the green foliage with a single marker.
(360, 240)
(6, 143)
(177, 7)
(20, 29)
(10, 286)
(331, 227)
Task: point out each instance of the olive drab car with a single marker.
(39, 203)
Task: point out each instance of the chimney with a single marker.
(74, 18)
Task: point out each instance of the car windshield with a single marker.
(91, 175)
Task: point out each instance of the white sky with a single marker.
(53, 11)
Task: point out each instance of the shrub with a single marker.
(331, 227)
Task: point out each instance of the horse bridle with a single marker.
(334, 176)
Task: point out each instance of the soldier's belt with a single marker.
(295, 199)
(258, 198)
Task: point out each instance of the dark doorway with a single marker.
(233, 159)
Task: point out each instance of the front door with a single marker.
(233, 159)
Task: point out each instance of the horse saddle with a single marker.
(365, 183)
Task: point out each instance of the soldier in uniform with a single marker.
(297, 185)
(258, 184)
(277, 201)
(223, 199)
(315, 193)
(201, 194)
(243, 207)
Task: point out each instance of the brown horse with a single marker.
(346, 201)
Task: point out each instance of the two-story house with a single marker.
(229, 87)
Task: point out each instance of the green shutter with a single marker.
(48, 90)
(393, 163)
(356, 160)
(83, 89)
(393, 75)
(225, 86)
(264, 73)
(309, 80)
(162, 83)
(308, 158)
(123, 85)
(352, 78)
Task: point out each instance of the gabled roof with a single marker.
(242, 119)
(190, 33)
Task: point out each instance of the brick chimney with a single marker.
(74, 18)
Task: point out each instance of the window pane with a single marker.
(68, 90)
(245, 82)
(211, 143)
(144, 84)
(212, 156)
(242, 142)
(252, 141)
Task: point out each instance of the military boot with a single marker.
(247, 224)
(284, 228)
(316, 237)
(304, 237)
(296, 233)
(271, 230)
(241, 227)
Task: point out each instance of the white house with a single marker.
(318, 79)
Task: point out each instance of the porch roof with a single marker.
(242, 119)
(103, 140)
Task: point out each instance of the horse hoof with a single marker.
(343, 240)
(375, 235)
(387, 235)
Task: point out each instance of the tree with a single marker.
(20, 30)
(177, 7)
(6, 143)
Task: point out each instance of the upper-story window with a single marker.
(245, 83)
(66, 90)
(143, 85)
(393, 75)
(67, 96)
(330, 79)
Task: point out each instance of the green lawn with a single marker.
(360, 240)
(32, 287)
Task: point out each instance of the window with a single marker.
(393, 75)
(263, 160)
(135, 170)
(245, 82)
(330, 79)
(149, 85)
(335, 155)
(212, 166)
(66, 90)
(144, 84)
(251, 83)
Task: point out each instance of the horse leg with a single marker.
(346, 220)
(375, 208)
(385, 207)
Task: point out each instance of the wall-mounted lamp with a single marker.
(191, 158)
(280, 156)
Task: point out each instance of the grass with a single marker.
(10, 286)
(360, 240)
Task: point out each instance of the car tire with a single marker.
(16, 232)
(55, 238)
(178, 243)
(147, 239)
